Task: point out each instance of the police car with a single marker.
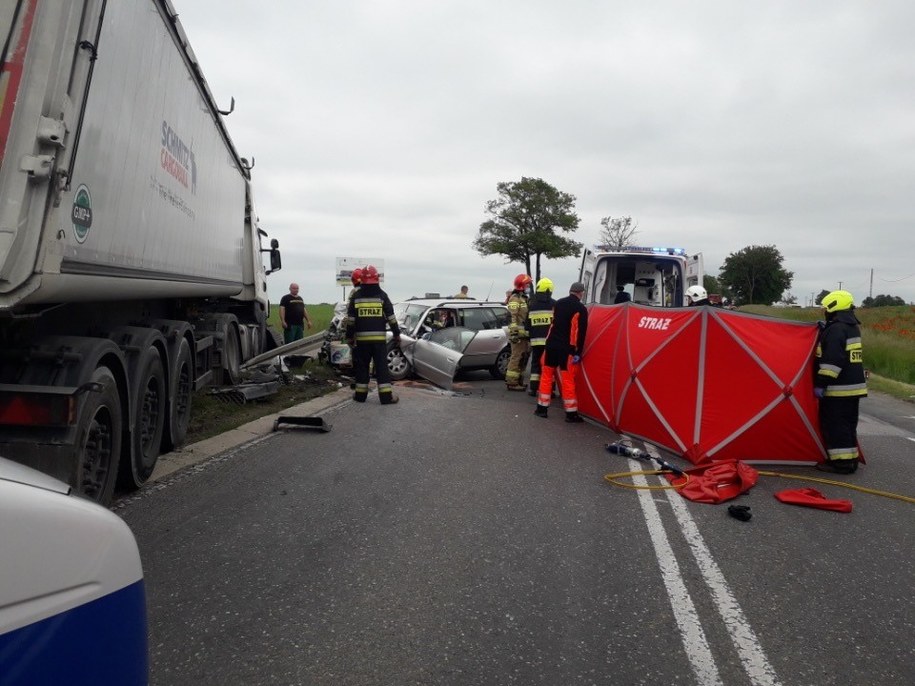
(72, 597)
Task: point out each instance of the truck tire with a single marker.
(150, 409)
(98, 439)
(231, 361)
(181, 395)
(273, 339)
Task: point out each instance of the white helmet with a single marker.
(695, 293)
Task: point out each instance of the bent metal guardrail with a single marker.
(286, 349)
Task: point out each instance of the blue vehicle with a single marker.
(72, 597)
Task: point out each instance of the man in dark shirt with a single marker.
(621, 296)
(293, 315)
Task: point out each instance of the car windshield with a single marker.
(409, 315)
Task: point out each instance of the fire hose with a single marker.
(621, 448)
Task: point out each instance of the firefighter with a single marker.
(539, 318)
(517, 333)
(356, 278)
(369, 313)
(564, 347)
(839, 382)
(697, 296)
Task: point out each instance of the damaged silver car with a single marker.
(440, 338)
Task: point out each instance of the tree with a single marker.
(755, 275)
(883, 301)
(617, 233)
(524, 221)
(713, 285)
(822, 294)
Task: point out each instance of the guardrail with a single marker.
(286, 349)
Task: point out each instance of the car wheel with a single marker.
(497, 371)
(398, 365)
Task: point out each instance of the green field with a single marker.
(888, 336)
(320, 317)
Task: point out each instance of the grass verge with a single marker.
(897, 389)
(211, 415)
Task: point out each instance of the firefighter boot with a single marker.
(541, 411)
(574, 418)
(838, 466)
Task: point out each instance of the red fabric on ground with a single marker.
(715, 483)
(811, 497)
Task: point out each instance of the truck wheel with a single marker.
(274, 339)
(98, 440)
(151, 407)
(179, 402)
(497, 371)
(231, 363)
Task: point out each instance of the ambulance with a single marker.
(657, 276)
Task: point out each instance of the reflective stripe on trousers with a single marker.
(567, 384)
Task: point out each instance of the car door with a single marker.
(490, 337)
(437, 356)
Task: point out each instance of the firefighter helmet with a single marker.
(544, 285)
(370, 275)
(356, 276)
(695, 293)
(521, 281)
(838, 301)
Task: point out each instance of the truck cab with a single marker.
(656, 276)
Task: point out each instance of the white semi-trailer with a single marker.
(130, 254)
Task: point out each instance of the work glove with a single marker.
(514, 338)
(576, 359)
(818, 391)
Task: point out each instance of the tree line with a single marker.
(530, 220)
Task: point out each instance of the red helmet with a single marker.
(356, 276)
(369, 275)
(522, 281)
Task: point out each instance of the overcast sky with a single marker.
(380, 129)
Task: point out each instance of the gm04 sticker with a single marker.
(81, 214)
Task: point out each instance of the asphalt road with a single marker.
(458, 539)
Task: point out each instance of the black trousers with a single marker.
(536, 367)
(363, 355)
(839, 426)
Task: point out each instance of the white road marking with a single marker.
(910, 438)
(691, 633)
(751, 654)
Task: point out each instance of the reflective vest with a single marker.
(539, 317)
(369, 314)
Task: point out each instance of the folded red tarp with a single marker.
(715, 483)
(811, 497)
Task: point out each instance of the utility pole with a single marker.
(871, 293)
(840, 285)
